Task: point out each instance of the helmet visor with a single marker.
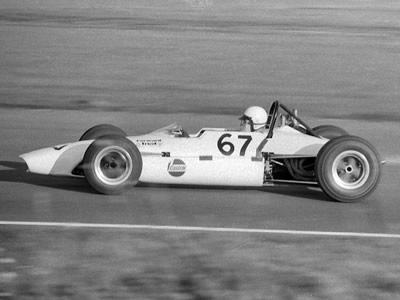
(244, 118)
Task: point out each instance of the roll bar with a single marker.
(273, 115)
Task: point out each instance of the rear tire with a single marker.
(98, 131)
(348, 168)
(329, 131)
(112, 164)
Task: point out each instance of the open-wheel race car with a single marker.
(285, 151)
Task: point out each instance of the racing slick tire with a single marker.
(112, 164)
(329, 131)
(347, 168)
(98, 131)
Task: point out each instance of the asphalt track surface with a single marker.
(42, 106)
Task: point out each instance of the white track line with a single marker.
(202, 229)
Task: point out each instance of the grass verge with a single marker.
(76, 263)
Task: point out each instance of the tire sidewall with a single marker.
(324, 168)
(108, 143)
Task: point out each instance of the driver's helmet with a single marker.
(255, 116)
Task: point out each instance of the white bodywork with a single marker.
(210, 157)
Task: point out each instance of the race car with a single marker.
(283, 150)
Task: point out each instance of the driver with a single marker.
(254, 119)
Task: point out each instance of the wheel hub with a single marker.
(350, 170)
(113, 165)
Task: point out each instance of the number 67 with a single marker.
(223, 145)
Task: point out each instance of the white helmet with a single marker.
(257, 117)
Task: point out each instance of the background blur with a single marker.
(328, 58)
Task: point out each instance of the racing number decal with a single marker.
(221, 144)
(227, 148)
(247, 139)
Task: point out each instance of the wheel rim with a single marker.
(113, 165)
(350, 170)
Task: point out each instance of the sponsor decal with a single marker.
(176, 167)
(157, 142)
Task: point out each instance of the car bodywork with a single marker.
(212, 156)
(285, 152)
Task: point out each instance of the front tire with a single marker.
(112, 164)
(348, 168)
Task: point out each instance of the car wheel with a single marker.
(348, 168)
(112, 164)
(98, 131)
(329, 131)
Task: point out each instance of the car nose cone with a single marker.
(40, 161)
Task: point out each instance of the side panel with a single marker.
(225, 144)
(203, 170)
(288, 141)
